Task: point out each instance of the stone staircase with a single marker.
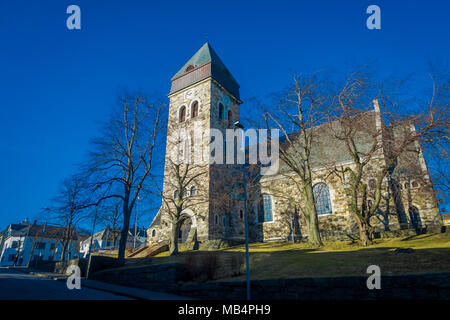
(149, 251)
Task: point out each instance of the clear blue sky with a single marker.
(56, 84)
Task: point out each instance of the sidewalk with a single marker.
(130, 292)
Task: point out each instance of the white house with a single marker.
(108, 239)
(29, 243)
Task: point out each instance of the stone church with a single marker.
(204, 93)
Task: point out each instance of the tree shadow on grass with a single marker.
(311, 263)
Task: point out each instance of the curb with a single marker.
(64, 278)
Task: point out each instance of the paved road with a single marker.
(16, 285)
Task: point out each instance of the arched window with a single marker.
(153, 233)
(185, 193)
(193, 191)
(194, 109)
(175, 194)
(372, 184)
(221, 111)
(241, 214)
(216, 219)
(406, 185)
(322, 198)
(265, 208)
(189, 68)
(230, 116)
(182, 115)
(224, 150)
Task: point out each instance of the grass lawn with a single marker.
(284, 260)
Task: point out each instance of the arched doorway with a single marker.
(188, 227)
(185, 228)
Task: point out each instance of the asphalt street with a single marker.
(16, 285)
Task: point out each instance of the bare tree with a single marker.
(110, 216)
(439, 164)
(297, 115)
(183, 190)
(69, 209)
(121, 161)
(398, 137)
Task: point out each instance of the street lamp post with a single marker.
(247, 256)
(135, 222)
(92, 233)
(40, 245)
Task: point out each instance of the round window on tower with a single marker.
(189, 68)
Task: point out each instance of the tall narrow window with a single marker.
(265, 208)
(322, 198)
(221, 111)
(194, 109)
(230, 116)
(182, 115)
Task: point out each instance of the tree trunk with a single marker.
(124, 234)
(365, 234)
(173, 249)
(313, 230)
(64, 250)
(312, 222)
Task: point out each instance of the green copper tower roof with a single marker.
(194, 71)
(205, 54)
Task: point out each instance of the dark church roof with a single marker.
(203, 64)
(326, 149)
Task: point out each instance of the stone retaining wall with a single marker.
(159, 277)
(422, 286)
(169, 278)
(61, 266)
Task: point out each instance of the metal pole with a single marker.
(92, 233)
(40, 244)
(25, 242)
(135, 222)
(247, 255)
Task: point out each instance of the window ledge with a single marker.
(324, 215)
(266, 222)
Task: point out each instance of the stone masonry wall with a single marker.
(169, 278)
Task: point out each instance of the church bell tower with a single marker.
(203, 95)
